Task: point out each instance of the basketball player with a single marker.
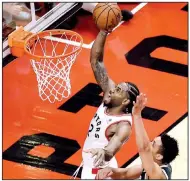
(155, 156)
(111, 126)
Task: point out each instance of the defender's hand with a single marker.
(104, 173)
(139, 104)
(100, 156)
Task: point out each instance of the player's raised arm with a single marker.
(97, 64)
(144, 145)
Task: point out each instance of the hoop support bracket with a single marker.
(16, 41)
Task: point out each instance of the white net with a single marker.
(53, 56)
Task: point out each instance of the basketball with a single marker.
(107, 15)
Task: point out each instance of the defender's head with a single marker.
(164, 149)
(123, 94)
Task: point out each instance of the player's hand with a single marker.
(100, 156)
(139, 105)
(104, 173)
(109, 29)
(104, 32)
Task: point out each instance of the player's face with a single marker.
(118, 94)
(156, 148)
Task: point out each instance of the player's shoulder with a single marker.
(124, 122)
(167, 171)
(127, 117)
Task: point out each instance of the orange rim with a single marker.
(54, 32)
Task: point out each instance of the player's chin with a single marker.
(107, 101)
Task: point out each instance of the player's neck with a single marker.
(114, 111)
(159, 162)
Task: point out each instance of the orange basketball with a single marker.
(107, 15)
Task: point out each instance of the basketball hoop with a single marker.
(52, 54)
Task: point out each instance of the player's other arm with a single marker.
(132, 172)
(122, 133)
(144, 146)
(97, 64)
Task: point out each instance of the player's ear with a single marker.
(159, 157)
(126, 101)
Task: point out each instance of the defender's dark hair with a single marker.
(169, 148)
(133, 93)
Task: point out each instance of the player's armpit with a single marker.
(152, 169)
(121, 135)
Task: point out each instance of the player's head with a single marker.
(164, 149)
(123, 94)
